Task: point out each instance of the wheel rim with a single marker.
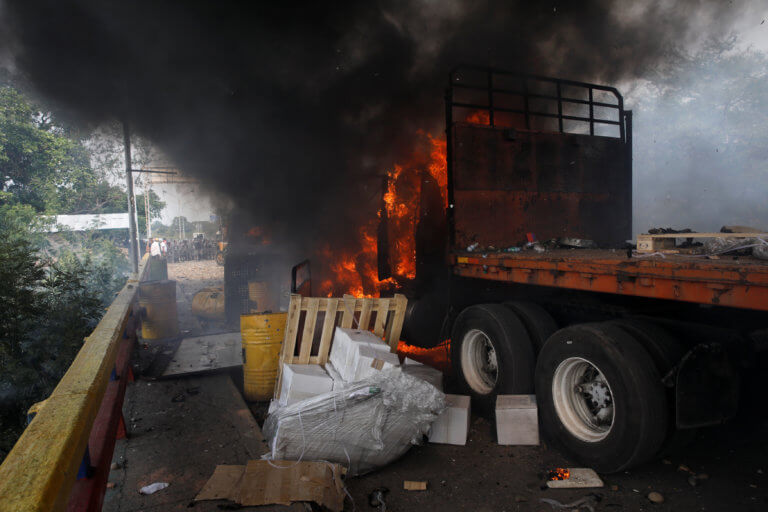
(478, 361)
(583, 399)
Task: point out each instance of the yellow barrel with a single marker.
(208, 303)
(158, 302)
(260, 297)
(262, 336)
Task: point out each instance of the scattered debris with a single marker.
(377, 498)
(114, 465)
(264, 482)
(686, 469)
(655, 497)
(579, 243)
(193, 391)
(587, 502)
(179, 398)
(415, 485)
(578, 478)
(110, 485)
(153, 488)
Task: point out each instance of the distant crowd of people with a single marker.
(182, 250)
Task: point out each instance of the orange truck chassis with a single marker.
(740, 283)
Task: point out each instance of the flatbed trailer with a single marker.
(627, 353)
(739, 282)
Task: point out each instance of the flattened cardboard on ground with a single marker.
(580, 478)
(224, 484)
(414, 485)
(206, 353)
(279, 483)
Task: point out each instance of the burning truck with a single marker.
(510, 241)
(509, 237)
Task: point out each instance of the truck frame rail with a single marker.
(741, 283)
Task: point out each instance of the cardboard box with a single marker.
(301, 381)
(452, 426)
(338, 382)
(344, 349)
(370, 359)
(517, 420)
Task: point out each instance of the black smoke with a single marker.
(294, 109)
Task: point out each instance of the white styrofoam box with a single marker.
(343, 351)
(517, 421)
(452, 426)
(302, 381)
(338, 382)
(424, 372)
(411, 362)
(371, 359)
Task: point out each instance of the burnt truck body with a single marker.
(624, 353)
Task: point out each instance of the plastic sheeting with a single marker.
(363, 425)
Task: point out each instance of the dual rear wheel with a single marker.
(598, 386)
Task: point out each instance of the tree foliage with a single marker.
(42, 167)
(53, 289)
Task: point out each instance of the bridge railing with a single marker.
(75, 429)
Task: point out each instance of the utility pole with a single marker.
(146, 211)
(131, 199)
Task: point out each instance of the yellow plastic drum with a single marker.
(158, 301)
(209, 304)
(262, 336)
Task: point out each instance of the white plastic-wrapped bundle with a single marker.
(364, 425)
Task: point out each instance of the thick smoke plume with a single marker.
(294, 111)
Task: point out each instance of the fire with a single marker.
(356, 271)
(437, 357)
(479, 117)
(560, 474)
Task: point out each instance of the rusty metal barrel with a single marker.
(159, 315)
(262, 336)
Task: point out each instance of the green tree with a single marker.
(53, 289)
(42, 167)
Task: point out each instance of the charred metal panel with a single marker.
(507, 183)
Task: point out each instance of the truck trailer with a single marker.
(627, 354)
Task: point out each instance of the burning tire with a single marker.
(600, 397)
(539, 324)
(491, 353)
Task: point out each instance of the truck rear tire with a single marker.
(666, 353)
(539, 324)
(600, 397)
(491, 353)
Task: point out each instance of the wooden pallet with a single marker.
(383, 316)
(664, 242)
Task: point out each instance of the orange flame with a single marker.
(355, 271)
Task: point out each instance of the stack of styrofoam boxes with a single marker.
(423, 372)
(517, 421)
(357, 354)
(452, 426)
(302, 381)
